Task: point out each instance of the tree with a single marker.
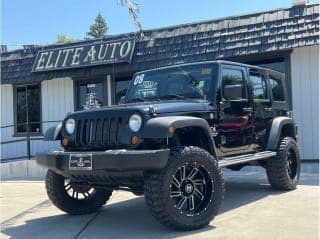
(61, 39)
(133, 12)
(99, 28)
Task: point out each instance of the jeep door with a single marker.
(235, 127)
(261, 103)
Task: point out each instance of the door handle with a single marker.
(268, 109)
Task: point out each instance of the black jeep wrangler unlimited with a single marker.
(169, 138)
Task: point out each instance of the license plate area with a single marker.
(80, 162)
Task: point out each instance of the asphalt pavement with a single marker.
(251, 209)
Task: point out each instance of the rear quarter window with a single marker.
(277, 90)
(258, 84)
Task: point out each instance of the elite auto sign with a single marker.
(84, 55)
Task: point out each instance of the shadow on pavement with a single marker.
(127, 219)
(132, 219)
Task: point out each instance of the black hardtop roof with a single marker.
(215, 62)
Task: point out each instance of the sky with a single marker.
(39, 22)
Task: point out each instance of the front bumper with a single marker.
(110, 160)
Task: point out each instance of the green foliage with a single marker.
(61, 39)
(99, 28)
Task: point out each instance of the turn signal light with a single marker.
(171, 129)
(65, 141)
(134, 139)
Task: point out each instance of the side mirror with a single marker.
(121, 101)
(232, 92)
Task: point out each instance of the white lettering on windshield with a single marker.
(138, 79)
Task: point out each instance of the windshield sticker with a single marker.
(149, 84)
(138, 79)
(206, 71)
(148, 88)
(147, 92)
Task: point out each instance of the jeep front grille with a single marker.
(98, 132)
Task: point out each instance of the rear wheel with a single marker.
(188, 192)
(283, 171)
(73, 198)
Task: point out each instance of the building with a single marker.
(55, 79)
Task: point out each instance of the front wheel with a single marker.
(283, 171)
(188, 192)
(72, 198)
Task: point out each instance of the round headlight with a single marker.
(70, 125)
(135, 122)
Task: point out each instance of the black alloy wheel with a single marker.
(78, 192)
(283, 171)
(73, 198)
(191, 189)
(292, 163)
(188, 192)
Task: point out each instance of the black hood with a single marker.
(160, 107)
(171, 106)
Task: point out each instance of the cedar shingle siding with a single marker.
(280, 29)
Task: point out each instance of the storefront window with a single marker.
(91, 94)
(27, 109)
(121, 89)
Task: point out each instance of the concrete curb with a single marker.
(21, 169)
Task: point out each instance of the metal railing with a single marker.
(27, 136)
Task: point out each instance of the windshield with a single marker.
(181, 82)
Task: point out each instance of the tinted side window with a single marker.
(276, 89)
(258, 85)
(233, 77)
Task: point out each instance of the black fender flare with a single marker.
(158, 128)
(275, 131)
(53, 133)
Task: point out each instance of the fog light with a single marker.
(65, 141)
(134, 139)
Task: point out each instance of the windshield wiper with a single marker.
(137, 99)
(172, 96)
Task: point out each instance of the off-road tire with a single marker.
(158, 189)
(280, 176)
(61, 199)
